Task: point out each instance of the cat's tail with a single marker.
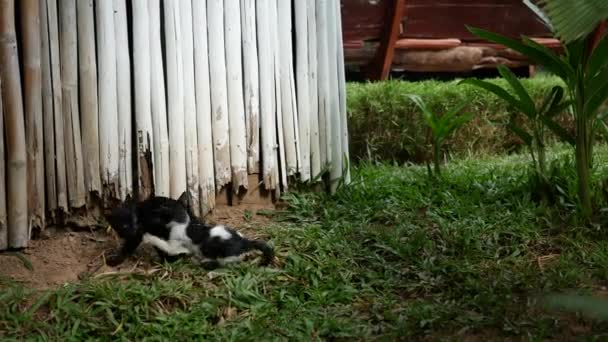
(267, 251)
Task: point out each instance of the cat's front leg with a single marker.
(128, 247)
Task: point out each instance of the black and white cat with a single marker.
(165, 224)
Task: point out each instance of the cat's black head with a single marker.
(120, 220)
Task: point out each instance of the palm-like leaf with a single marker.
(572, 20)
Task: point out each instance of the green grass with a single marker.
(385, 125)
(394, 255)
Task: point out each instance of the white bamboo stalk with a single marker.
(30, 28)
(175, 84)
(68, 41)
(236, 107)
(251, 84)
(62, 190)
(141, 74)
(87, 67)
(123, 81)
(162, 185)
(278, 108)
(3, 214)
(342, 93)
(267, 115)
(203, 107)
(190, 106)
(334, 114)
(108, 106)
(315, 154)
(18, 234)
(289, 112)
(219, 97)
(47, 107)
(302, 82)
(323, 83)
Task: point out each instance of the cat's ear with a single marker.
(185, 199)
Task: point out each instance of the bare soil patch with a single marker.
(61, 255)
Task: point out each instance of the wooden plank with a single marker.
(236, 106)
(30, 29)
(175, 99)
(203, 108)
(3, 213)
(380, 66)
(251, 84)
(342, 97)
(48, 115)
(89, 105)
(302, 87)
(191, 138)
(219, 97)
(12, 99)
(123, 82)
(324, 91)
(335, 172)
(315, 155)
(162, 186)
(281, 172)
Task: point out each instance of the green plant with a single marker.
(441, 126)
(585, 73)
(538, 116)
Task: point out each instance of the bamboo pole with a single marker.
(281, 171)
(18, 234)
(162, 185)
(315, 153)
(236, 107)
(175, 83)
(251, 84)
(302, 82)
(141, 74)
(334, 114)
(30, 27)
(62, 190)
(68, 42)
(47, 106)
(288, 109)
(3, 215)
(203, 107)
(123, 81)
(108, 107)
(219, 97)
(323, 84)
(342, 94)
(267, 117)
(87, 68)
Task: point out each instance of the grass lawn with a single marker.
(395, 255)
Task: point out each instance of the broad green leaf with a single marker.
(524, 98)
(576, 52)
(569, 71)
(498, 91)
(525, 136)
(553, 97)
(548, 60)
(558, 130)
(596, 82)
(599, 97)
(454, 111)
(572, 20)
(558, 109)
(599, 57)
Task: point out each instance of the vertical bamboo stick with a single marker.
(87, 68)
(203, 107)
(18, 234)
(123, 81)
(68, 42)
(175, 84)
(288, 109)
(191, 137)
(3, 216)
(334, 114)
(267, 116)
(108, 107)
(315, 153)
(62, 190)
(30, 27)
(141, 74)
(162, 185)
(281, 171)
(323, 83)
(342, 93)
(236, 107)
(251, 84)
(219, 98)
(302, 82)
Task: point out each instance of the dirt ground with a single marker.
(62, 255)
